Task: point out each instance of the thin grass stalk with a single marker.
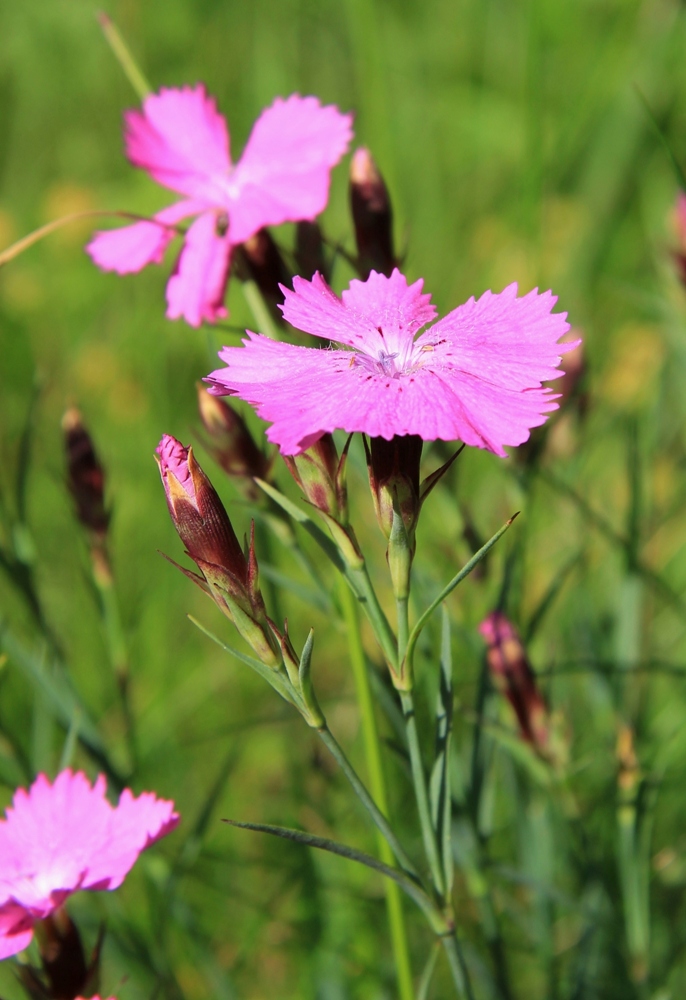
(396, 919)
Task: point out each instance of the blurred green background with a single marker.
(517, 148)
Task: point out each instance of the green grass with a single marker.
(517, 149)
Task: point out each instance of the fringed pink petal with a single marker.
(195, 292)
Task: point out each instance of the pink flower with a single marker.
(475, 376)
(57, 838)
(183, 143)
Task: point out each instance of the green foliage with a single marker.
(516, 144)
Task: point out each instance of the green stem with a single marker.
(401, 605)
(421, 793)
(366, 595)
(372, 748)
(259, 309)
(457, 966)
(116, 647)
(365, 798)
(124, 57)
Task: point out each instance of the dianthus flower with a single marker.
(60, 837)
(475, 376)
(182, 141)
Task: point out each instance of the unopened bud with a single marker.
(372, 215)
(309, 251)
(513, 677)
(205, 529)
(260, 260)
(230, 442)
(320, 474)
(393, 468)
(64, 972)
(85, 475)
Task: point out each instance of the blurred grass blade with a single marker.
(303, 519)
(69, 748)
(548, 599)
(440, 797)
(678, 169)
(24, 453)
(313, 598)
(123, 56)
(449, 587)
(352, 854)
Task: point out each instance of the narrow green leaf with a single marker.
(449, 587)
(313, 598)
(439, 786)
(303, 519)
(352, 854)
(428, 972)
(272, 677)
(67, 756)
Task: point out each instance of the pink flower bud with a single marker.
(372, 215)
(512, 676)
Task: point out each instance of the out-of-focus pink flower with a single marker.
(62, 836)
(475, 376)
(512, 676)
(182, 141)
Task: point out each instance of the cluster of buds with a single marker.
(398, 495)
(372, 215)
(513, 677)
(229, 574)
(64, 973)
(86, 483)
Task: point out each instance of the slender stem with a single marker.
(401, 605)
(421, 793)
(366, 595)
(372, 748)
(116, 642)
(124, 57)
(365, 798)
(457, 966)
(258, 307)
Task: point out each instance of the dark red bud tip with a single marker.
(372, 215)
(229, 441)
(85, 474)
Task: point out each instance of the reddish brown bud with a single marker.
(512, 676)
(205, 529)
(372, 215)
(260, 260)
(309, 251)
(230, 442)
(320, 474)
(85, 475)
(393, 468)
(65, 974)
